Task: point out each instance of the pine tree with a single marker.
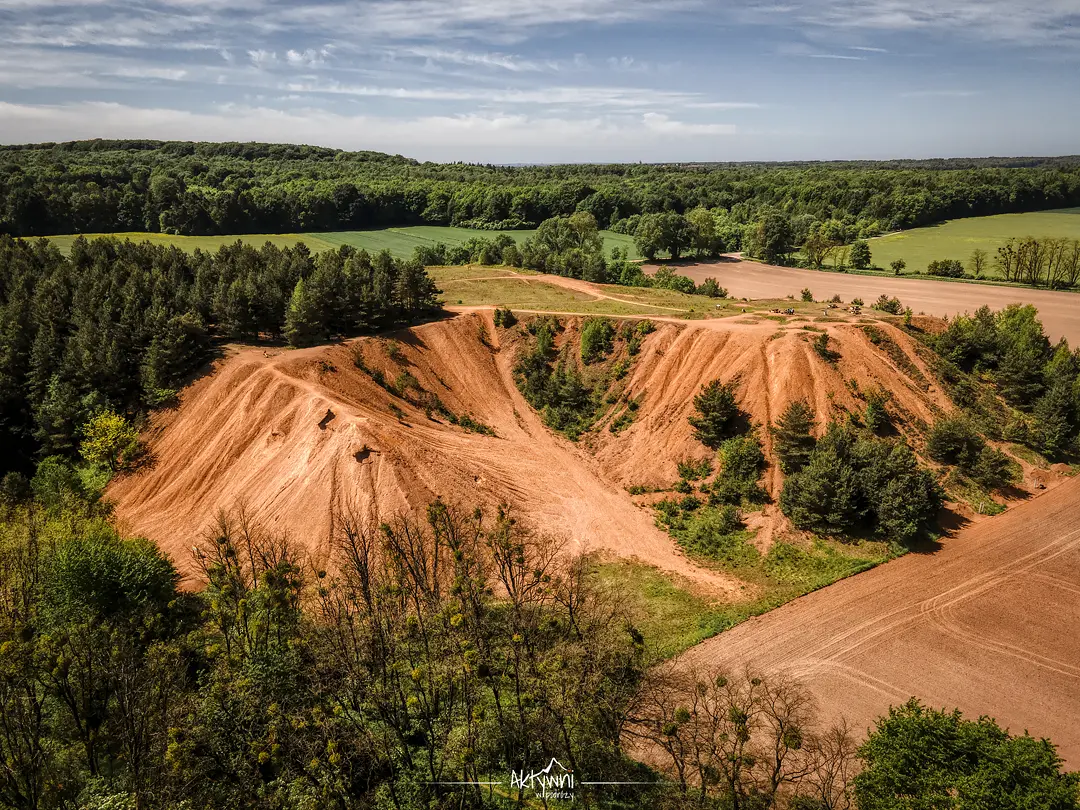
(794, 436)
(302, 324)
(717, 414)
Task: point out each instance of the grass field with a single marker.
(191, 243)
(399, 241)
(957, 238)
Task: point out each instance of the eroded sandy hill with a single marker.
(298, 435)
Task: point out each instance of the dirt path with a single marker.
(1060, 311)
(986, 624)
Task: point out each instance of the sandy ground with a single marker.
(987, 624)
(1060, 311)
(294, 442)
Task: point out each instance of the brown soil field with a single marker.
(987, 624)
(1060, 311)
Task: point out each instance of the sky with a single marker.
(543, 81)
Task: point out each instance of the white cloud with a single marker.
(510, 138)
(262, 58)
(660, 123)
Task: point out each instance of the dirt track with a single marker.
(1060, 311)
(987, 624)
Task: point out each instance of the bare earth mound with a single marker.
(987, 624)
(297, 435)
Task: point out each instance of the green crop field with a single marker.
(191, 243)
(957, 238)
(399, 241)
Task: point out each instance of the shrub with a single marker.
(954, 440)
(711, 288)
(596, 339)
(717, 413)
(807, 296)
(504, 317)
(947, 268)
(875, 415)
(394, 352)
(406, 381)
(993, 469)
(694, 469)
(821, 347)
(897, 266)
(857, 302)
(890, 305)
(741, 463)
(793, 435)
(109, 440)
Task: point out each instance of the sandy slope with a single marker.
(297, 435)
(1060, 311)
(986, 624)
(294, 441)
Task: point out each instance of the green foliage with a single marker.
(793, 435)
(918, 757)
(597, 335)
(806, 296)
(854, 482)
(717, 414)
(709, 287)
(97, 576)
(860, 255)
(948, 268)
(875, 415)
(120, 326)
(109, 440)
(822, 349)
(741, 464)
(954, 440)
(898, 266)
(504, 318)
(891, 305)
(694, 469)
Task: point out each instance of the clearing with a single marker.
(957, 238)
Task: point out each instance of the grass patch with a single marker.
(1032, 457)
(401, 242)
(957, 238)
(191, 243)
(961, 488)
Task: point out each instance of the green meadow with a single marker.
(957, 238)
(399, 241)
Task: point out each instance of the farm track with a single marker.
(987, 624)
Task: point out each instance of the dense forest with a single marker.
(205, 188)
(117, 327)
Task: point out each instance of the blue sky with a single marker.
(553, 80)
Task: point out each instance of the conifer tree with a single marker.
(303, 326)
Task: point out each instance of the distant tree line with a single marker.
(118, 326)
(567, 246)
(200, 188)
